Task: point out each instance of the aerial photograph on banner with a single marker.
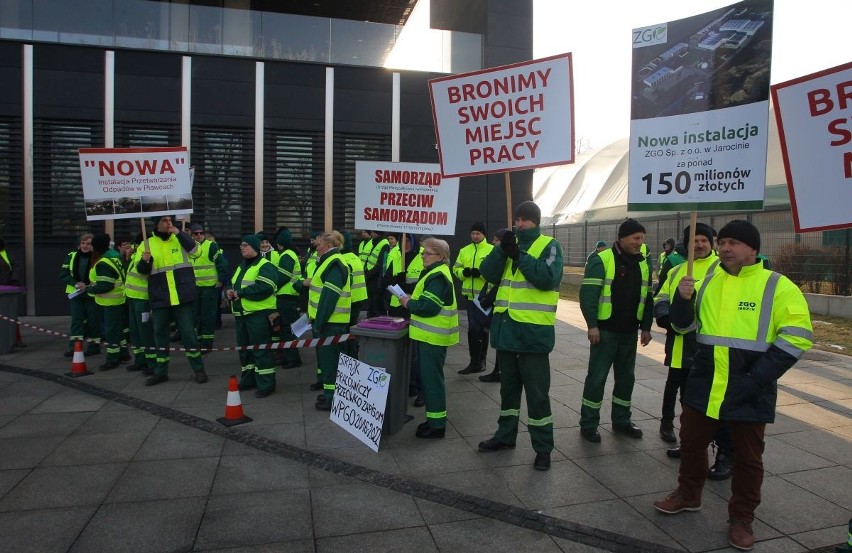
(715, 60)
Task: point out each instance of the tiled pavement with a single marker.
(103, 463)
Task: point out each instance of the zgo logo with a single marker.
(648, 36)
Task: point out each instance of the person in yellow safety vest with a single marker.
(365, 246)
(434, 327)
(528, 267)
(404, 279)
(752, 325)
(329, 308)
(358, 287)
(616, 301)
(287, 298)
(107, 287)
(252, 296)
(85, 315)
(393, 266)
(680, 347)
(9, 277)
(466, 269)
(373, 270)
(267, 250)
(487, 297)
(139, 316)
(210, 273)
(171, 295)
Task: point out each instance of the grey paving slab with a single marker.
(10, 478)
(46, 424)
(485, 483)
(823, 537)
(780, 545)
(256, 473)
(564, 484)
(435, 513)
(55, 487)
(69, 401)
(291, 433)
(811, 512)
(109, 421)
(236, 520)
(614, 515)
(171, 440)
(437, 457)
(355, 508)
(13, 404)
(144, 527)
(164, 479)
(82, 449)
(629, 473)
(489, 536)
(296, 546)
(43, 531)
(831, 483)
(780, 457)
(408, 539)
(19, 453)
(568, 546)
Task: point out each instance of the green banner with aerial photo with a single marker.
(700, 111)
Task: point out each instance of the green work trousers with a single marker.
(141, 333)
(114, 331)
(206, 305)
(616, 350)
(182, 315)
(530, 373)
(287, 315)
(85, 321)
(328, 357)
(258, 366)
(432, 377)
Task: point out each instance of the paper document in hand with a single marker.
(75, 293)
(479, 306)
(396, 290)
(301, 325)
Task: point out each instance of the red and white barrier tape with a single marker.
(292, 344)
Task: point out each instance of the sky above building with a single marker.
(808, 36)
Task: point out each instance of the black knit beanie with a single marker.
(628, 227)
(741, 230)
(529, 211)
(100, 243)
(702, 229)
(479, 225)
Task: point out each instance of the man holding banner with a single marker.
(751, 325)
(529, 266)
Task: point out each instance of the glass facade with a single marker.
(204, 29)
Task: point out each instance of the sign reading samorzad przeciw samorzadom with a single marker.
(812, 113)
(122, 183)
(517, 116)
(405, 197)
(360, 396)
(700, 111)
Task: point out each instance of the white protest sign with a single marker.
(123, 183)
(405, 197)
(815, 128)
(517, 116)
(700, 111)
(360, 396)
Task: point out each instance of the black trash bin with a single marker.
(10, 296)
(383, 342)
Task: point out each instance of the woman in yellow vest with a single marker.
(252, 296)
(358, 287)
(434, 327)
(329, 308)
(107, 287)
(287, 298)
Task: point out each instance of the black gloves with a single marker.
(466, 271)
(510, 245)
(475, 272)
(664, 322)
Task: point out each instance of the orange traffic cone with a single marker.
(78, 362)
(233, 406)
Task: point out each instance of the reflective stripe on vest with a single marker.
(524, 302)
(441, 329)
(288, 289)
(343, 308)
(250, 306)
(412, 275)
(136, 284)
(205, 270)
(70, 287)
(374, 254)
(356, 276)
(114, 296)
(605, 300)
(364, 249)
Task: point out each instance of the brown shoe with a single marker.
(675, 503)
(740, 534)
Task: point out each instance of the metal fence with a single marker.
(819, 262)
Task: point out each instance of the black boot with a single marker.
(474, 345)
(667, 431)
(721, 469)
(493, 376)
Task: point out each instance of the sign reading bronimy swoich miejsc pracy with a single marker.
(517, 116)
(120, 183)
(700, 111)
(405, 197)
(360, 397)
